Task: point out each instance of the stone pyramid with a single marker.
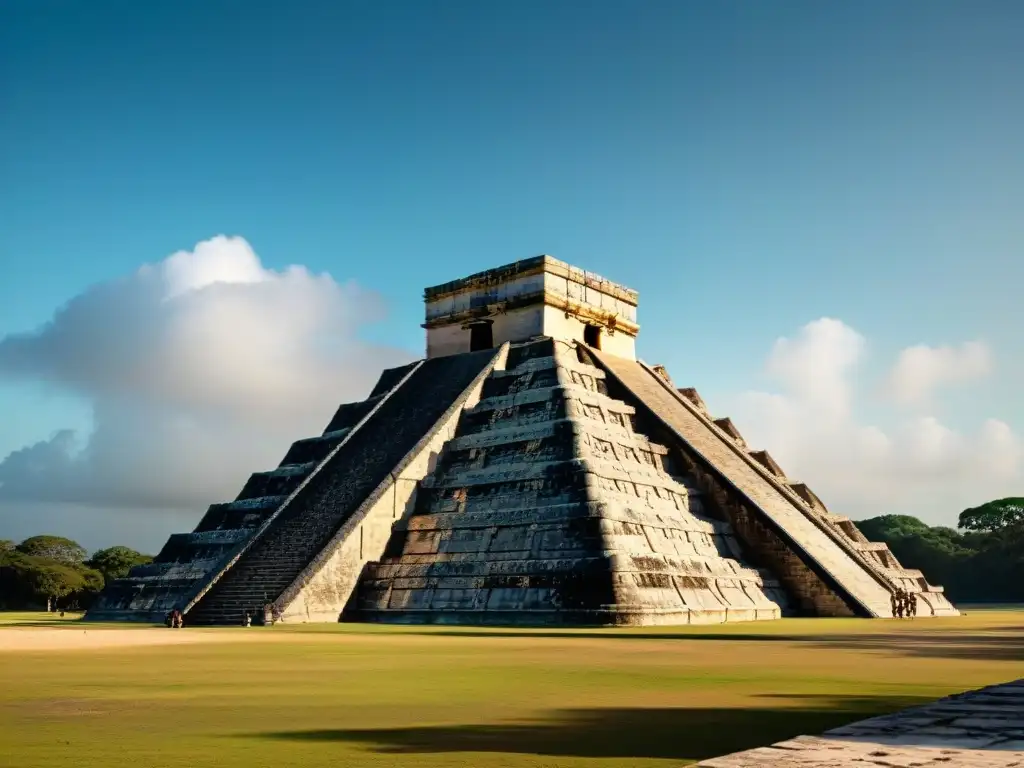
(548, 506)
(529, 471)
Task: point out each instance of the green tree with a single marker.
(994, 516)
(941, 553)
(41, 580)
(54, 548)
(115, 562)
(6, 545)
(980, 563)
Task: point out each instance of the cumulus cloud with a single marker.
(816, 365)
(911, 464)
(199, 370)
(921, 370)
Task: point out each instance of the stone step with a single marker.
(579, 377)
(560, 440)
(524, 354)
(200, 545)
(350, 414)
(224, 526)
(871, 546)
(541, 396)
(639, 480)
(850, 580)
(531, 515)
(276, 482)
(314, 449)
(503, 434)
(303, 529)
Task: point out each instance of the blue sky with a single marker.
(748, 167)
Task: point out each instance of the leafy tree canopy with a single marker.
(994, 516)
(981, 562)
(54, 548)
(115, 562)
(893, 525)
(49, 579)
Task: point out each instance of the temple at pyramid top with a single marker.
(527, 299)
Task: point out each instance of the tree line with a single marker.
(980, 561)
(58, 573)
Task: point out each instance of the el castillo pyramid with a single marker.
(530, 471)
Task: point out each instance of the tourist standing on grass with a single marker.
(895, 600)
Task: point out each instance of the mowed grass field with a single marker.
(360, 695)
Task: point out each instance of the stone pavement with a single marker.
(976, 729)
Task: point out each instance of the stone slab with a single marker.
(955, 732)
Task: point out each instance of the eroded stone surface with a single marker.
(547, 507)
(976, 729)
(820, 557)
(305, 530)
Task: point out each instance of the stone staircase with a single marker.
(842, 557)
(188, 560)
(547, 507)
(366, 441)
(876, 556)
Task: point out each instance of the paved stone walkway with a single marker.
(976, 729)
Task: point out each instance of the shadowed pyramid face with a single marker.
(521, 301)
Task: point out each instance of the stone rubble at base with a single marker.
(977, 729)
(529, 471)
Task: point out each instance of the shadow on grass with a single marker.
(74, 622)
(996, 644)
(669, 733)
(49, 623)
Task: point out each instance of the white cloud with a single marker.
(199, 369)
(920, 370)
(914, 465)
(816, 366)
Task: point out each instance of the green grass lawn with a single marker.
(355, 695)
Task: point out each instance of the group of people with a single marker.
(175, 619)
(904, 604)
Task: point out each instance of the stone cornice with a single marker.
(534, 266)
(598, 315)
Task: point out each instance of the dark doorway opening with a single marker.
(480, 337)
(592, 336)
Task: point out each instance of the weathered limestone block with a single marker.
(976, 729)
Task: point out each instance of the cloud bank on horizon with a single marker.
(204, 367)
(916, 465)
(199, 370)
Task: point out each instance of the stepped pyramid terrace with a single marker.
(530, 470)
